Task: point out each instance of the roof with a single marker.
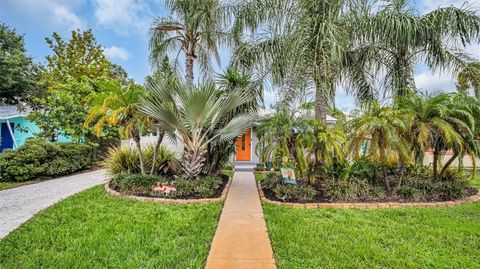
(9, 111)
(300, 113)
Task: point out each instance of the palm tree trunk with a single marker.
(447, 164)
(193, 162)
(136, 138)
(189, 68)
(160, 134)
(321, 104)
(436, 156)
(384, 165)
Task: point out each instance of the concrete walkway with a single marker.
(17, 205)
(241, 239)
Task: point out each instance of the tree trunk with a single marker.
(193, 162)
(136, 138)
(447, 164)
(384, 166)
(436, 156)
(321, 104)
(189, 68)
(160, 134)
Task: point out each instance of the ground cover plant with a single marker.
(382, 238)
(92, 229)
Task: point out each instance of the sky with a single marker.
(122, 28)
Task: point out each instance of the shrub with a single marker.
(407, 192)
(39, 158)
(271, 181)
(452, 190)
(377, 191)
(125, 160)
(135, 184)
(346, 189)
(298, 192)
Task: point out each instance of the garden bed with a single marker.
(218, 194)
(318, 198)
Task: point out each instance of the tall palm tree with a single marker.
(383, 127)
(399, 38)
(195, 29)
(302, 43)
(469, 78)
(196, 116)
(119, 106)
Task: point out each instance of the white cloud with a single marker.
(122, 16)
(55, 14)
(426, 6)
(435, 82)
(113, 53)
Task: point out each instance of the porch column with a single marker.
(11, 133)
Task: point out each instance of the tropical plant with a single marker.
(383, 129)
(442, 122)
(196, 116)
(319, 146)
(301, 44)
(119, 106)
(399, 38)
(195, 29)
(469, 79)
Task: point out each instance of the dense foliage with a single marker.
(378, 154)
(19, 78)
(38, 159)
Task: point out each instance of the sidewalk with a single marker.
(241, 239)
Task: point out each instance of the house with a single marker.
(245, 155)
(15, 128)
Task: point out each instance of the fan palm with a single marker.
(383, 127)
(399, 38)
(195, 29)
(196, 117)
(118, 106)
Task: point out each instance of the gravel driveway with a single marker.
(17, 205)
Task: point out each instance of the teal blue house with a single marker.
(15, 129)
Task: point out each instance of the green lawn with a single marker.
(9, 185)
(93, 230)
(376, 238)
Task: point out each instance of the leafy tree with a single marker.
(63, 110)
(384, 128)
(76, 69)
(76, 58)
(195, 29)
(196, 116)
(118, 105)
(19, 76)
(469, 79)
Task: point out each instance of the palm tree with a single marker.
(195, 29)
(469, 78)
(118, 106)
(322, 144)
(303, 43)
(384, 128)
(399, 38)
(196, 116)
(440, 123)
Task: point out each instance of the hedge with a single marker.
(40, 159)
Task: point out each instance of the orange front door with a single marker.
(242, 146)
